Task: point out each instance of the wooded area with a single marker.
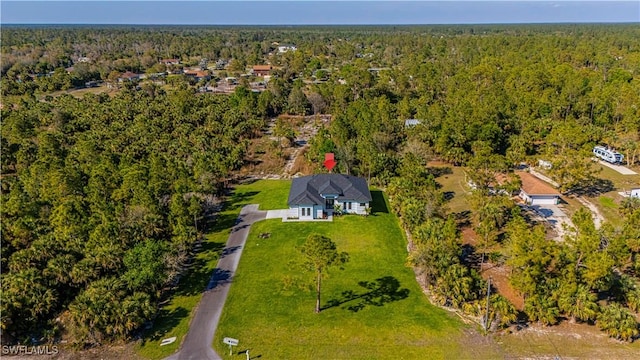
(103, 196)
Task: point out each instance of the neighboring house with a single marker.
(500, 185)
(128, 76)
(635, 193)
(198, 75)
(170, 61)
(285, 48)
(537, 192)
(262, 70)
(316, 196)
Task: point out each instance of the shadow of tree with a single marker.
(379, 292)
(594, 187)
(240, 199)
(377, 203)
(170, 319)
(449, 195)
(219, 277)
(463, 218)
(438, 171)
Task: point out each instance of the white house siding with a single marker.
(361, 210)
(539, 199)
(544, 200)
(355, 207)
(635, 193)
(344, 205)
(525, 197)
(305, 212)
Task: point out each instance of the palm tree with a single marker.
(456, 285)
(633, 299)
(618, 322)
(541, 308)
(502, 311)
(579, 303)
(59, 268)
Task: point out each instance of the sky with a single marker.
(319, 12)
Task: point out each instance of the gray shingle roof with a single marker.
(307, 190)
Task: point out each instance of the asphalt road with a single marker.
(197, 344)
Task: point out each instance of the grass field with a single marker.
(388, 319)
(174, 317)
(386, 316)
(607, 203)
(453, 180)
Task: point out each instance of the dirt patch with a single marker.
(564, 341)
(598, 219)
(469, 236)
(499, 275)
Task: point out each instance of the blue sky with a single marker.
(265, 12)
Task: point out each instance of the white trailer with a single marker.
(608, 155)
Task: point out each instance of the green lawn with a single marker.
(608, 202)
(391, 318)
(453, 180)
(174, 317)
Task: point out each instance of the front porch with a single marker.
(288, 216)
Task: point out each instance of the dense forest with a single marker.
(102, 195)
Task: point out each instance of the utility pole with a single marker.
(486, 318)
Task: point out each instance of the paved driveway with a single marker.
(277, 214)
(554, 215)
(619, 168)
(197, 344)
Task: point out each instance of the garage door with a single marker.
(544, 200)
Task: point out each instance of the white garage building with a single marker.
(537, 192)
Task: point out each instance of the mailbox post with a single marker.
(231, 342)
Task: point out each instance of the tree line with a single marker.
(103, 199)
(101, 192)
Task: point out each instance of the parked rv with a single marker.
(608, 155)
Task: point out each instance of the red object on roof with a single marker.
(329, 161)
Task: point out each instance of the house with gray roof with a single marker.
(316, 196)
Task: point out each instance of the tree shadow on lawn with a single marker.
(593, 188)
(380, 292)
(438, 171)
(237, 200)
(168, 321)
(377, 202)
(219, 222)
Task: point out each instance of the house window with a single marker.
(363, 204)
(347, 206)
